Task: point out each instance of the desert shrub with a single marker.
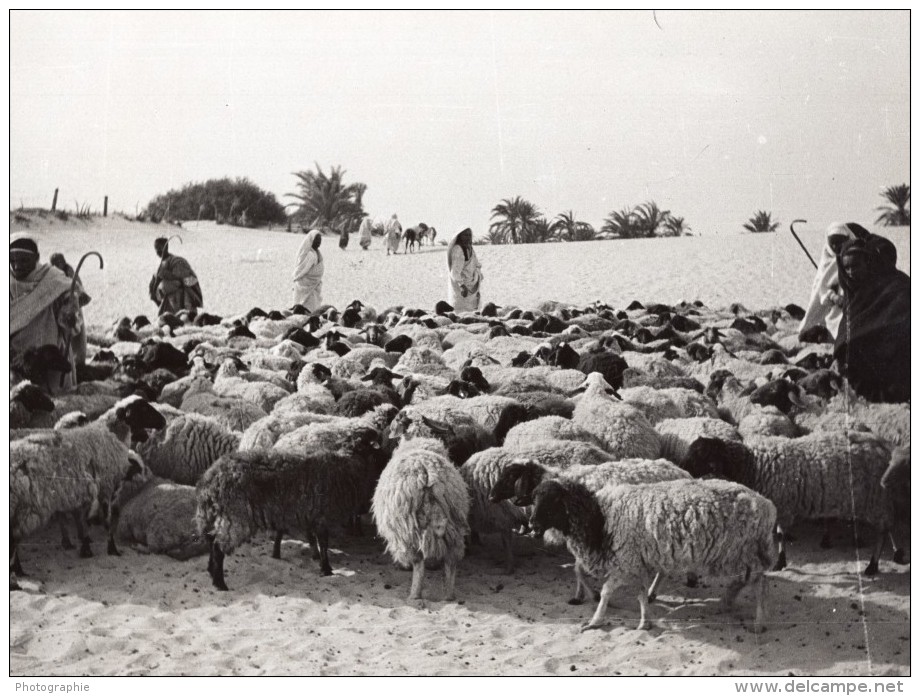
(233, 201)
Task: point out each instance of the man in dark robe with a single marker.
(175, 286)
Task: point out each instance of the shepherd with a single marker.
(364, 233)
(464, 273)
(392, 233)
(308, 273)
(175, 286)
(44, 311)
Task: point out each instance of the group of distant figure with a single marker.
(393, 233)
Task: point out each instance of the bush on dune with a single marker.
(233, 201)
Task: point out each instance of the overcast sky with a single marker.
(712, 115)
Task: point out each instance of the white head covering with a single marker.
(821, 310)
(305, 258)
(455, 242)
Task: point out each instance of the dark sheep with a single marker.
(682, 323)
(299, 309)
(498, 330)
(610, 365)
(205, 319)
(709, 457)
(298, 335)
(357, 402)
(275, 315)
(522, 359)
(157, 379)
(33, 398)
(816, 334)
(490, 310)
(780, 393)
(442, 308)
(400, 344)
(549, 324)
(658, 308)
(462, 389)
(795, 311)
(374, 334)
(815, 361)
(34, 363)
(95, 371)
(773, 356)
(716, 380)
(522, 331)
(824, 383)
(471, 373)
(240, 332)
(745, 326)
(381, 380)
(564, 356)
(104, 356)
(170, 320)
(635, 304)
(256, 312)
(258, 489)
(157, 354)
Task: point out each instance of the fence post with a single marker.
(54, 202)
(105, 207)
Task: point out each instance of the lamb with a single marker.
(154, 515)
(624, 534)
(810, 477)
(90, 459)
(187, 447)
(677, 434)
(622, 429)
(279, 491)
(420, 507)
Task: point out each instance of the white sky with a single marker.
(713, 115)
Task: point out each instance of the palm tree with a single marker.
(622, 224)
(761, 223)
(675, 227)
(899, 197)
(515, 221)
(326, 202)
(567, 228)
(650, 217)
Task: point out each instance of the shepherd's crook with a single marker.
(73, 300)
(792, 229)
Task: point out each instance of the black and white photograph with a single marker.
(454, 343)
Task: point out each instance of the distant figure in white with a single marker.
(392, 233)
(308, 273)
(464, 274)
(364, 233)
(825, 306)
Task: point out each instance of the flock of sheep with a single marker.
(657, 442)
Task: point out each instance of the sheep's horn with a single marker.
(175, 236)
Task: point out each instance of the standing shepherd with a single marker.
(43, 311)
(365, 231)
(308, 273)
(175, 286)
(343, 238)
(464, 273)
(392, 233)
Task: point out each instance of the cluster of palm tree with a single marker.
(518, 221)
(645, 220)
(897, 214)
(325, 202)
(761, 222)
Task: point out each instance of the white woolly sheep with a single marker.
(420, 507)
(622, 429)
(72, 472)
(661, 404)
(817, 476)
(234, 412)
(228, 382)
(625, 534)
(548, 428)
(891, 422)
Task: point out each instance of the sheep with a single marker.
(154, 515)
(548, 428)
(461, 435)
(187, 447)
(496, 414)
(661, 404)
(234, 412)
(625, 534)
(810, 477)
(313, 398)
(28, 403)
(420, 508)
(520, 478)
(277, 490)
(228, 383)
(622, 429)
(766, 421)
(88, 460)
(483, 469)
(266, 431)
(677, 434)
(891, 422)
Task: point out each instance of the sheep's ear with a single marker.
(121, 413)
(467, 363)
(795, 396)
(368, 377)
(579, 390)
(395, 376)
(614, 392)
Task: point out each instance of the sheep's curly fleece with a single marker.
(421, 504)
(183, 450)
(622, 429)
(661, 404)
(548, 428)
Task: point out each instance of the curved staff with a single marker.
(73, 300)
(792, 229)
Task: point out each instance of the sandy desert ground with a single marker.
(142, 614)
